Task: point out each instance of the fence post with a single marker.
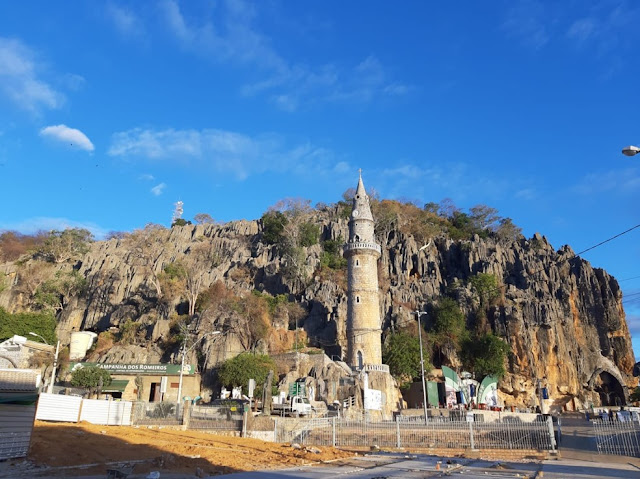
(398, 433)
(245, 419)
(186, 415)
(333, 431)
(275, 430)
(552, 437)
(473, 445)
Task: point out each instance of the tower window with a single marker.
(357, 262)
(360, 360)
(357, 299)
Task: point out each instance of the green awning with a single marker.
(116, 386)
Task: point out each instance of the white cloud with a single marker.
(526, 194)
(221, 150)
(42, 223)
(582, 29)
(624, 181)
(71, 136)
(158, 189)
(147, 177)
(526, 21)
(20, 81)
(125, 21)
(232, 38)
(73, 81)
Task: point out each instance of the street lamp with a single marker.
(55, 361)
(630, 150)
(184, 353)
(424, 389)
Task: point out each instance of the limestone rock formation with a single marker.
(562, 319)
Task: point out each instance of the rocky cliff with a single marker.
(563, 319)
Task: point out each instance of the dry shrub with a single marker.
(240, 273)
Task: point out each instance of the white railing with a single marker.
(383, 368)
(458, 434)
(362, 245)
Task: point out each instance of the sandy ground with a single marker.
(56, 446)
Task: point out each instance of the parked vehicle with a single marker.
(291, 406)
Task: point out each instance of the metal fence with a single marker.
(616, 436)
(445, 434)
(215, 417)
(156, 414)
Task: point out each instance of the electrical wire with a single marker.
(608, 239)
(628, 279)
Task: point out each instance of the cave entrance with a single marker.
(609, 389)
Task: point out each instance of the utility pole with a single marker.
(424, 388)
(184, 352)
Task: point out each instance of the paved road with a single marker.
(396, 466)
(578, 458)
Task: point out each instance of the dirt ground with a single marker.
(56, 446)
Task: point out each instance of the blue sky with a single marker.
(110, 112)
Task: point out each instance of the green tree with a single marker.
(55, 293)
(89, 377)
(331, 257)
(401, 352)
(273, 223)
(180, 222)
(22, 324)
(308, 234)
(60, 246)
(238, 370)
(449, 326)
(460, 226)
(635, 395)
(485, 285)
(485, 355)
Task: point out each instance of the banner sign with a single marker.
(135, 369)
(452, 386)
(373, 399)
(488, 391)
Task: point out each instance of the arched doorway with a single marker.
(6, 362)
(609, 389)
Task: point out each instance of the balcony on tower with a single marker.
(362, 245)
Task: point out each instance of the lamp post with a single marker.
(55, 361)
(630, 150)
(184, 352)
(424, 389)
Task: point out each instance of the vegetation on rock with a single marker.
(237, 371)
(43, 324)
(401, 352)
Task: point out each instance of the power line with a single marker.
(608, 239)
(628, 279)
(575, 255)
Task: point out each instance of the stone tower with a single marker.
(363, 307)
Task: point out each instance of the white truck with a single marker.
(291, 406)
